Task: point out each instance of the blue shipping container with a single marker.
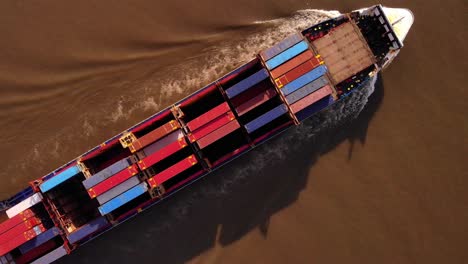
(314, 108)
(306, 90)
(126, 185)
(39, 240)
(123, 198)
(266, 118)
(107, 172)
(281, 46)
(59, 178)
(304, 79)
(287, 55)
(88, 229)
(247, 83)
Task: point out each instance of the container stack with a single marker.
(256, 102)
(299, 75)
(29, 233)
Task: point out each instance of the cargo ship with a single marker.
(282, 86)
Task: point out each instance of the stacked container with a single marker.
(256, 101)
(28, 234)
(299, 75)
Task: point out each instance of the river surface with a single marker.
(388, 186)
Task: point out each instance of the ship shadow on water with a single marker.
(241, 197)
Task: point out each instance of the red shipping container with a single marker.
(20, 239)
(19, 229)
(36, 252)
(208, 116)
(255, 101)
(218, 134)
(297, 72)
(311, 98)
(154, 135)
(212, 126)
(16, 220)
(114, 180)
(162, 153)
(172, 171)
(291, 64)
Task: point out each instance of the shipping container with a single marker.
(250, 93)
(240, 73)
(287, 55)
(113, 181)
(162, 154)
(306, 90)
(21, 239)
(154, 135)
(107, 172)
(247, 83)
(311, 98)
(15, 220)
(266, 118)
(88, 229)
(297, 72)
(106, 155)
(303, 80)
(23, 205)
(51, 256)
(172, 171)
(314, 108)
(208, 116)
(218, 134)
(6, 259)
(19, 229)
(195, 106)
(72, 204)
(213, 125)
(281, 46)
(256, 101)
(163, 142)
(36, 252)
(123, 198)
(110, 194)
(291, 64)
(39, 240)
(60, 178)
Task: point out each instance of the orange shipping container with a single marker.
(291, 64)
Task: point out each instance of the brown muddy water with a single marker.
(386, 187)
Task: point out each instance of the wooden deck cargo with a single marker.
(344, 51)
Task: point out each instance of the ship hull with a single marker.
(281, 87)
